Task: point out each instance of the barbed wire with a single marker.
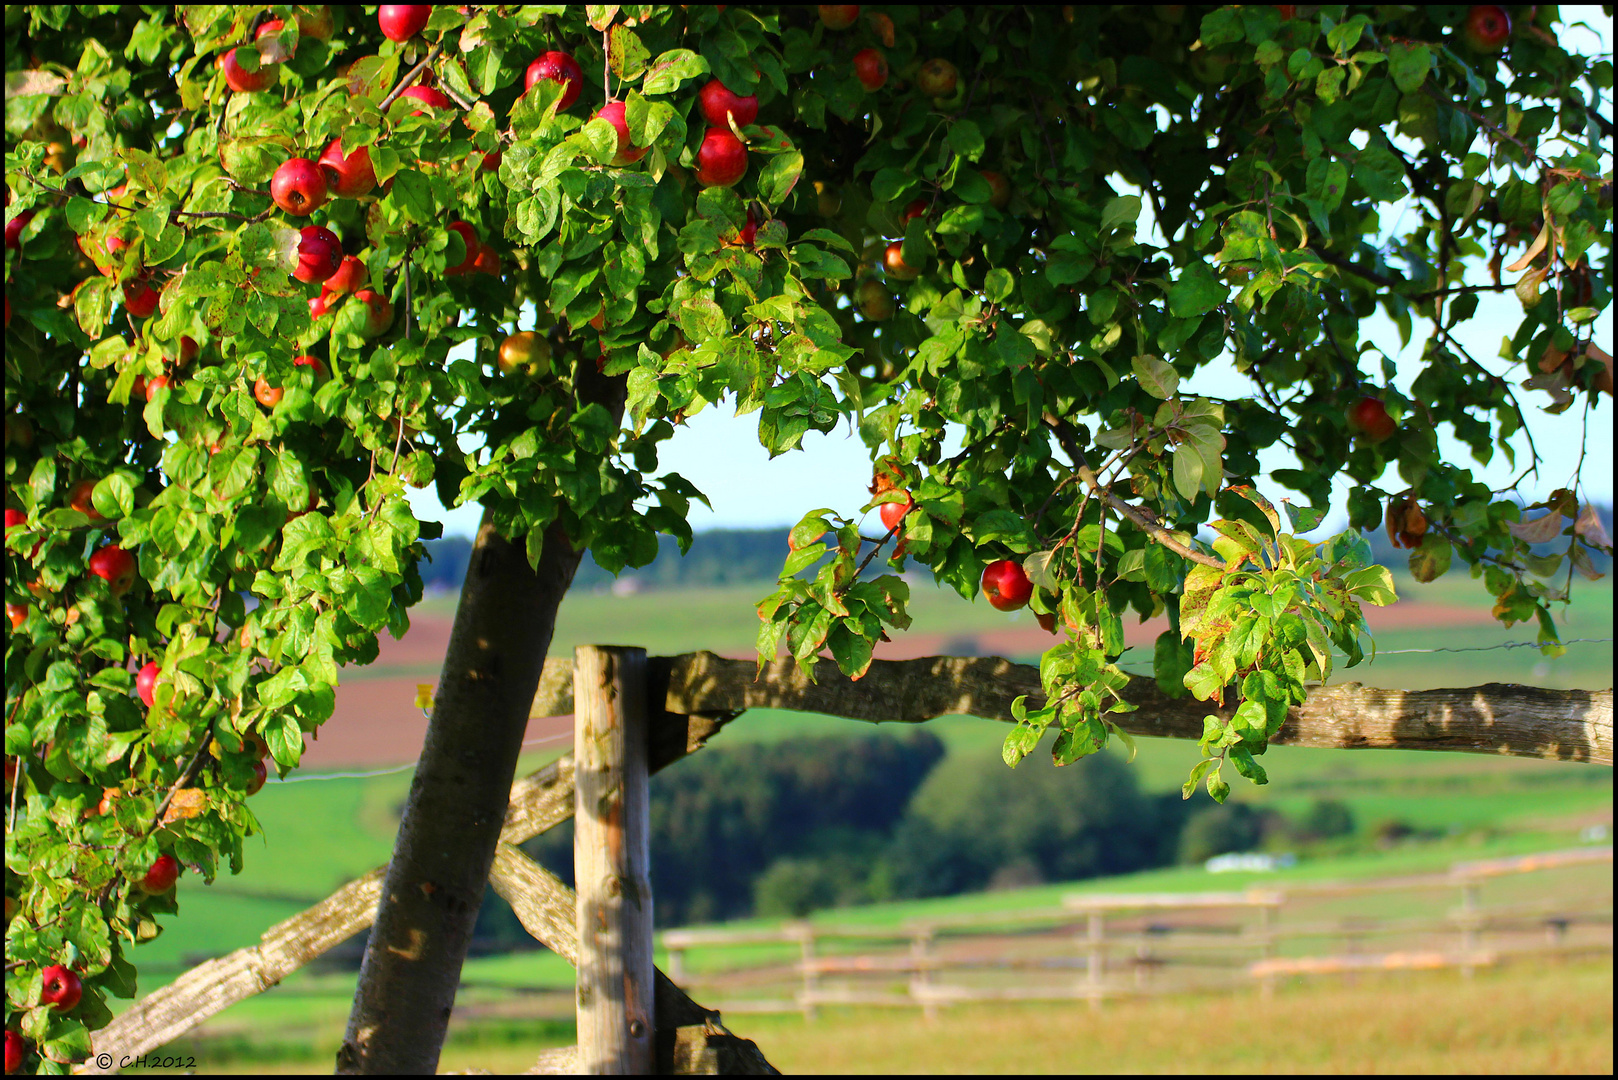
(1504, 645)
(568, 736)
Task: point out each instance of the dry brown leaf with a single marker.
(1533, 249)
(1589, 527)
(187, 803)
(1604, 358)
(1541, 530)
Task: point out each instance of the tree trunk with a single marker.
(457, 803)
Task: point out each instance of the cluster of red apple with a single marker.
(1369, 417)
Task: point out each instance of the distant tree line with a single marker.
(743, 556)
(784, 829)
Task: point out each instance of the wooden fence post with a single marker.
(1470, 918)
(611, 861)
(805, 934)
(1096, 959)
(921, 978)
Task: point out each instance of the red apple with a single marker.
(628, 153)
(557, 67)
(379, 312)
(188, 353)
(874, 301)
(261, 773)
(321, 305)
(151, 386)
(401, 22)
(1487, 28)
(999, 189)
(937, 78)
(299, 187)
(427, 95)
(1369, 416)
(347, 177)
(893, 262)
(139, 297)
(350, 275)
(101, 253)
(15, 518)
(916, 208)
(313, 363)
(320, 253)
(116, 566)
(491, 161)
(162, 876)
(749, 231)
(273, 53)
(871, 68)
(839, 16)
(721, 160)
(61, 987)
(16, 1046)
(488, 261)
(241, 80)
(146, 681)
(472, 243)
(18, 614)
(1047, 621)
(78, 498)
(718, 101)
(15, 226)
(1006, 586)
(894, 512)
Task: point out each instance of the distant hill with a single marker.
(742, 556)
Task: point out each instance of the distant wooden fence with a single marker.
(687, 699)
(1107, 962)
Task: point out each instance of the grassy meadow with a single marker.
(322, 832)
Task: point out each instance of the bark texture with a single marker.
(457, 804)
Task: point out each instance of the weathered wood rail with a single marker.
(691, 697)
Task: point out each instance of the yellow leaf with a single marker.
(424, 695)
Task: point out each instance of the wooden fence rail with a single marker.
(691, 697)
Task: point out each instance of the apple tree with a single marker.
(270, 268)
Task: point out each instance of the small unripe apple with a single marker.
(839, 16)
(378, 312)
(871, 68)
(721, 160)
(937, 78)
(139, 297)
(472, 244)
(557, 67)
(320, 253)
(894, 264)
(1369, 416)
(315, 21)
(1006, 585)
(241, 80)
(718, 102)
(875, 302)
(348, 176)
(16, 1045)
(267, 395)
(146, 681)
(162, 876)
(428, 95)
(299, 187)
(116, 566)
(401, 22)
(524, 351)
(1487, 28)
(60, 988)
(15, 226)
(628, 153)
(350, 275)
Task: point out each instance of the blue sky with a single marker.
(721, 455)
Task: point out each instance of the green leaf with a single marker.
(1187, 472)
(1125, 209)
(1156, 375)
(1408, 65)
(670, 70)
(1374, 584)
(1196, 292)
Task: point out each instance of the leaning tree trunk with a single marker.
(446, 842)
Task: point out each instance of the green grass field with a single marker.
(323, 832)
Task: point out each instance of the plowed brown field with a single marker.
(377, 723)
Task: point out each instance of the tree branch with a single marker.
(1064, 435)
